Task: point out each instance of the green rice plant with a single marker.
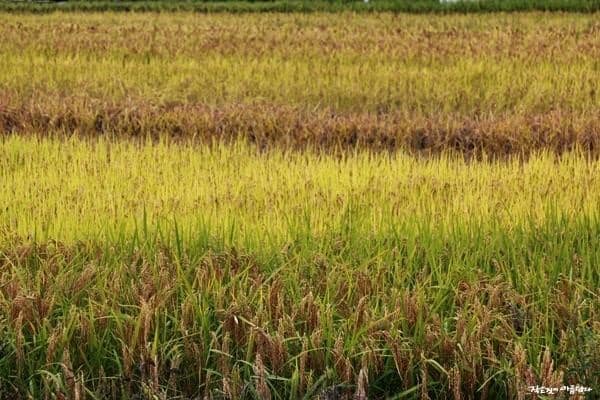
(168, 269)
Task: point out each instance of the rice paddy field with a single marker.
(324, 205)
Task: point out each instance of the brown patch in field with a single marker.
(279, 126)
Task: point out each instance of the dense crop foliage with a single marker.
(500, 84)
(287, 6)
(179, 270)
(199, 206)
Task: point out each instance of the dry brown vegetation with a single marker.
(289, 127)
(499, 84)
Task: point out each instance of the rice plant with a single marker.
(298, 206)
